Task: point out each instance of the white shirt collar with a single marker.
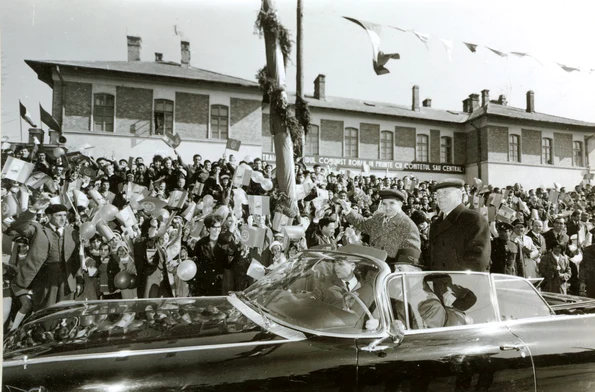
(352, 283)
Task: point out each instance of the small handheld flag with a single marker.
(233, 144)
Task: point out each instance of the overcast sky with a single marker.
(222, 39)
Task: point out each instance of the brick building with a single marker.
(124, 107)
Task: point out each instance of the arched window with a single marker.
(164, 117)
(311, 146)
(219, 121)
(577, 150)
(421, 151)
(514, 148)
(546, 151)
(445, 149)
(351, 142)
(103, 113)
(386, 145)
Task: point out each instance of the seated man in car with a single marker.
(445, 302)
(348, 291)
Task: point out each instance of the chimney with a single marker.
(415, 99)
(158, 57)
(485, 97)
(530, 101)
(134, 45)
(185, 46)
(466, 105)
(427, 103)
(319, 87)
(502, 100)
(474, 102)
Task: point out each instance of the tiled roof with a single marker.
(164, 69)
(521, 114)
(372, 107)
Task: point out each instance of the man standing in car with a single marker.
(460, 237)
(392, 231)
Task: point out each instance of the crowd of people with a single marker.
(85, 228)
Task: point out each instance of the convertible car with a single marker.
(322, 321)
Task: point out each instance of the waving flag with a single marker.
(233, 144)
(379, 58)
(177, 199)
(172, 140)
(127, 217)
(48, 119)
(37, 179)
(17, 170)
(259, 205)
(152, 205)
(253, 237)
(242, 176)
(25, 115)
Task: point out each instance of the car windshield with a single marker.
(328, 292)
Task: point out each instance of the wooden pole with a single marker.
(300, 36)
(281, 136)
(300, 65)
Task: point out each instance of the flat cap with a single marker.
(449, 183)
(55, 208)
(392, 194)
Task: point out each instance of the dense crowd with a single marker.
(129, 228)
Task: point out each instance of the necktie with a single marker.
(347, 286)
(60, 231)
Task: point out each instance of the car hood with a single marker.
(112, 326)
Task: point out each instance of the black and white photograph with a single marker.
(297, 195)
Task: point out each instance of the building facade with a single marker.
(123, 108)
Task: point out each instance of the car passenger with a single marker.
(344, 287)
(446, 302)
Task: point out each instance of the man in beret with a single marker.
(52, 265)
(460, 237)
(392, 230)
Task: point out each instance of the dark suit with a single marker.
(573, 228)
(459, 242)
(52, 265)
(551, 238)
(587, 270)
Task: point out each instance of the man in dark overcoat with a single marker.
(460, 237)
(52, 265)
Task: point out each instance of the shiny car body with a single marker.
(299, 329)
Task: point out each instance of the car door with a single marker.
(478, 355)
(562, 346)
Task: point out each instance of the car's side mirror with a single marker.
(396, 331)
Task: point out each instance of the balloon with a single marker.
(108, 212)
(88, 230)
(186, 270)
(267, 184)
(58, 152)
(222, 211)
(249, 158)
(133, 282)
(257, 176)
(207, 210)
(122, 280)
(208, 201)
(200, 206)
(163, 215)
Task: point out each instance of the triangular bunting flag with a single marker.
(568, 68)
(422, 37)
(379, 58)
(471, 47)
(448, 46)
(499, 53)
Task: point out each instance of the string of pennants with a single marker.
(380, 59)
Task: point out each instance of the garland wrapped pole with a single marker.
(284, 125)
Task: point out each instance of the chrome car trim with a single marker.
(132, 353)
(253, 315)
